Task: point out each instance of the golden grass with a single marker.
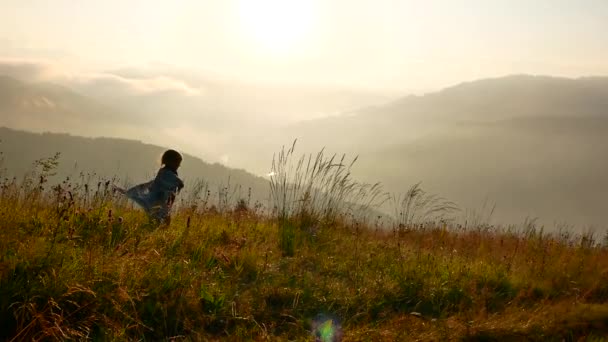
(77, 266)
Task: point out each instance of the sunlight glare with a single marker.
(277, 26)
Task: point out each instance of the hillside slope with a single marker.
(487, 100)
(129, 160)
(535, 146)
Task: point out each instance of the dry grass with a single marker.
(77, 263)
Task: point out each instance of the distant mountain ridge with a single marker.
(488, 100)
(518, 95)
(534, 145)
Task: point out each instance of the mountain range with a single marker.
(534, 145)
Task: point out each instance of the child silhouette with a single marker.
(156, 197)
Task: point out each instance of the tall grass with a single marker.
(417, 207)
(316, 189)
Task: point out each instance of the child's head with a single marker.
(171, 159)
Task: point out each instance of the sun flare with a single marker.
(277, 26)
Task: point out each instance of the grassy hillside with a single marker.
(77, 262)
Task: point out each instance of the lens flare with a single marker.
(326, 329)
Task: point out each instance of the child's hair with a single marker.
(171, 158)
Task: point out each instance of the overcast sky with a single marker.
(381, 44)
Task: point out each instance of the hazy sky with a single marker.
(381, 44)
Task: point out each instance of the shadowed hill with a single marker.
(129, 160)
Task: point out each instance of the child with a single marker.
(157, 196)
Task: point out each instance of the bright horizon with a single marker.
(392, 46)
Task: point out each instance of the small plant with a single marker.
(212, 303)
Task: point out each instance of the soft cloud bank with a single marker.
(106, 83)
(110, 83)
(30, 70)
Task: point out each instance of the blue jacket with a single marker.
(157, 196)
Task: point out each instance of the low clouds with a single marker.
(195, 111)
(113, 85)
(103, 84)
(29, 70)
